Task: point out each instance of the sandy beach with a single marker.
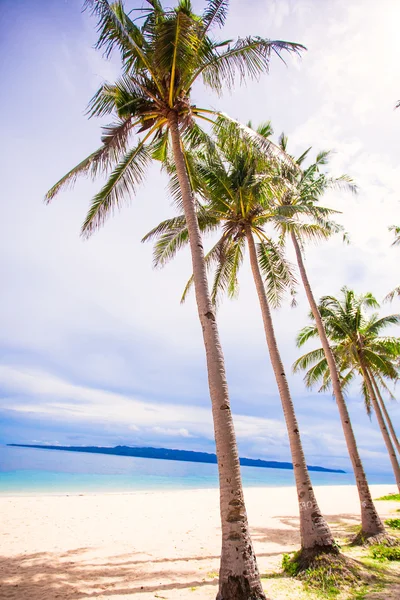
(148, 545)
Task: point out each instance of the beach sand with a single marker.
(146, 545)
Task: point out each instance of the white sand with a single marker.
(146, 545)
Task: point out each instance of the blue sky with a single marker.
(94, 345)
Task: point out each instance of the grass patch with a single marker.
(327, 574)
(383, 552)
(395, 497)
(393, 523)
(212, 575)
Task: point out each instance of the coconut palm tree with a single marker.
(299, 199)
(236, 184)
(358, 348)
(396, 292)
(161, 60)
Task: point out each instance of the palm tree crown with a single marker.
(161, 60)
(353, 333)
(235, 180)
(298, 203)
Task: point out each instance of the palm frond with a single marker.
(247, 57)
(304, 362)
(396, 231)
(117, 30)
(122, 182)
(164, 227)
(375, 325)
(344, 183)
(115, 138)
(70, 178)
(392, 295)
(168, 245)
(305, 334)
(228, 259)
(215, 14)
(278, 273)
(316, 373)
(211, 259)
(229, 128)
(366, 397)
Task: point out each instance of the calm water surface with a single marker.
(31, 470)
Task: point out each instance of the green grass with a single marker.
(290, 565)
(382, 552)
(212, 575)
(393, 523)
(327, 576)
(395, 497)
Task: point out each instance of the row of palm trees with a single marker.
(233, 180)
(243, 194)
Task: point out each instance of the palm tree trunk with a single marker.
(381, 421)
(371, 523)
(314, 530)
(238, 577)
(382, 404)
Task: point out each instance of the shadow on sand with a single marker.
(73, 575)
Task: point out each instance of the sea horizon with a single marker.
(34, 471)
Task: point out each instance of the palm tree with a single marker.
(235, 182)
(396, 292)
(300, 198)
(358, 347)
(161, 60)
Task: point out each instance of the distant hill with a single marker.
(167, 454)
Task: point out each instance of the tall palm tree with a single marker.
(396, 292)
(161, 60)
(235, 182)
(358, 346)
(300, 198)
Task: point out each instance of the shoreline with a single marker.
(133, 492)
(168, 489)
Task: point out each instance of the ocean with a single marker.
(25, 471)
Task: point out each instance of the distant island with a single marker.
(168, 454)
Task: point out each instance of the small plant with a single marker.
(212, 575)
(395, 497)
(323, 579)
(383, 552)
(290, 565)
(393, 523)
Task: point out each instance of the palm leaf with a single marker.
(122, 182)
(247, 57)
(115, 138)
(304, 362)
(277, 271)
(396, 231)
(210, 259)
(391, 295)
(307, 333)
(215, 14)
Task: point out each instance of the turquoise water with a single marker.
(31, 470)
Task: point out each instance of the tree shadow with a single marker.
(289, 533)
(50, 576)
(71, 575)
